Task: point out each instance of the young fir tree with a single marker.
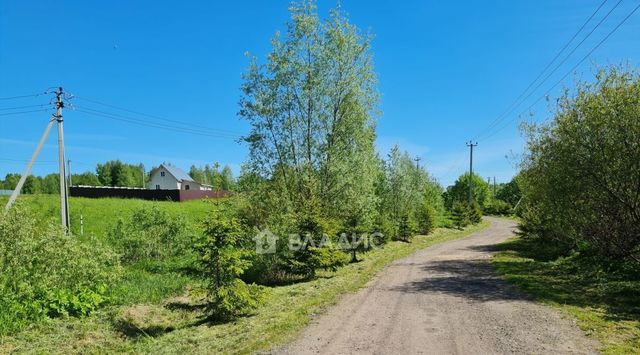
(223, 261)
(406, 228)
(460, 214)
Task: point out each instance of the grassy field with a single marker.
(158, 308)
(603, 296)
(101, 214)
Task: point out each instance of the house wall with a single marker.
(166, 182)
(192, 185)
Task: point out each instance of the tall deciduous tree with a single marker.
(311, 108)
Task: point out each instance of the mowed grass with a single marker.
(602, 295)
(162, 313)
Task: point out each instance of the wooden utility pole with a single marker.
(470, 144)
(417, 159)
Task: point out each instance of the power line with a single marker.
(147, 123)
(567, 74)
(20, 96)
(21, 161)
(156, 117)
(21, 107)
(517, 102)
(22, 112)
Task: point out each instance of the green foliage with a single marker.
(311, 250)
(87, 179)
(33, 184)
(150, 233)
(460, 215)
(311, 108)
(498, 208)
(581, 177)
(117, 173)
(510, 192)
(44, 273)
(10, 181)
(406, 189)
(223, 261)
(211, 175)
(426, 218)
(406, 228)
(475, 213)
(459, 191)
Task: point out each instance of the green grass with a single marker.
(101, 214)
(157, 324)
(602, 295)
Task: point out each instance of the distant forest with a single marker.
(117, 173)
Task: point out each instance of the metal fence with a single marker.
(143, 194)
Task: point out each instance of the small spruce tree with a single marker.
(475, 213)
(224, 260)
(406, 228)
(460, 215)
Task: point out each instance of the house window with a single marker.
(186, 187)
(162, 173)
(157, 187)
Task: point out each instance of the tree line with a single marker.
(116, 173)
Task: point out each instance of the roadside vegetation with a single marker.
(579, 247)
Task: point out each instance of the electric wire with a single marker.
(565, 75)
(23, 112)
(21, 107)
(520, 100)
(224, 131)
(146, 123)
(20, 96)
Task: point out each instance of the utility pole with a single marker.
(470, 144)
(64, 203)
(142, 175)
(494, 187)
(417, 159)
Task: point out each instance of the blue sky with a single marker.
(446, 71)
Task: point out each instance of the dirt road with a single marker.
(443, 300)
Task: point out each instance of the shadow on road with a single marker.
(473, 279)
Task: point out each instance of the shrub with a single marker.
(223, 261)
(581, 176)
(474, 212)
(406, 228)
(499, 208)
(426, 218)
(150, 234)
(312, 253)
(383, 229)
(460, 215)
(44, 273)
